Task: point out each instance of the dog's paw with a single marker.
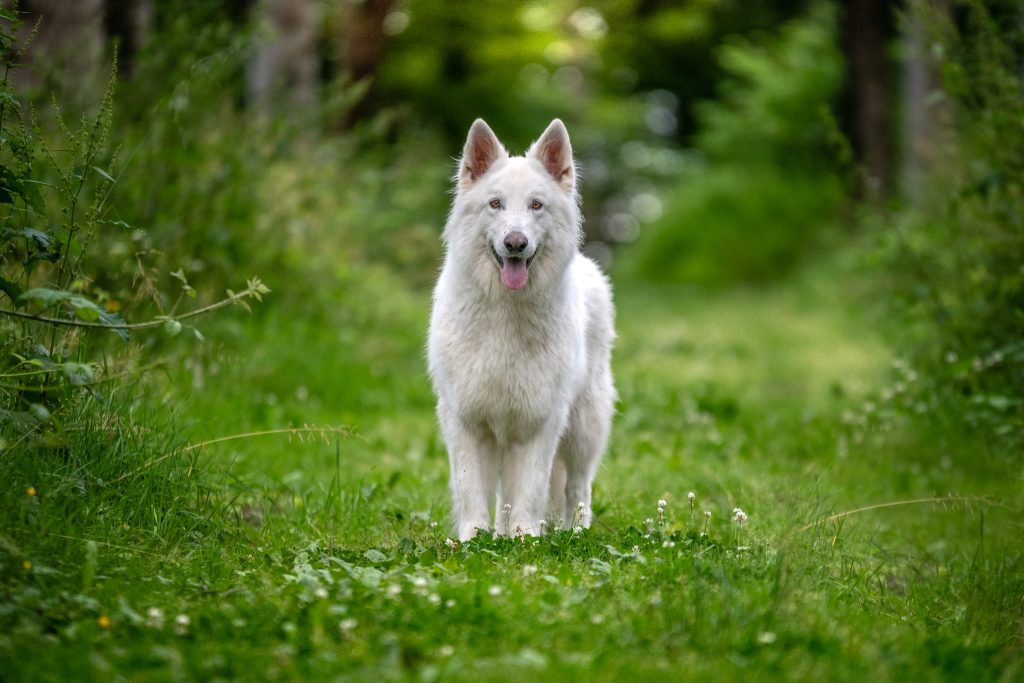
(468, 530)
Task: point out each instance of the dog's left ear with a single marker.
(555, 153)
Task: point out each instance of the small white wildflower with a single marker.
(494, 591)
(739, 516)
(766, 637)
(577, 529)
(452, 545)
(506, 508)
(449, 603)
(649, 521)
(445, 651)
(320, 593)
(529, 569)
(951, 357)
(418, 581)
(394, 590)
(707, 513)
(181, 623)
(347, 625)
(155, 617)
(636, 549)
(691, 496)
(433, 525)
(597, 619)
(668, 544)
(662, 503)
(434, 599)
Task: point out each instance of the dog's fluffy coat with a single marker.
(520, 340)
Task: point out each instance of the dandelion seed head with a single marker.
(707, 513)
(506, 508)
(691, 496)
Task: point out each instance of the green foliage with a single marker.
(771, 186)
(773, 105)
(954, 257)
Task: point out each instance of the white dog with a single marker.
(520, 340)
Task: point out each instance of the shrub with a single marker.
(955, 256)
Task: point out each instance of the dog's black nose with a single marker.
(515, 242)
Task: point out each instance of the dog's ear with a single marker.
(481, 151)
(555, 153)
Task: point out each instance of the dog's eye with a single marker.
(495, 203)
(536, 206)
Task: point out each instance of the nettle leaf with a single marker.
(84, 309)
(114, 319)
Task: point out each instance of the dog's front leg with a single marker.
(472, 462)
(525, 474)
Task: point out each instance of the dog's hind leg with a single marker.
(556, 490)
(581, 448)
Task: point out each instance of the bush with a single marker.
(772, 182)
(955, 257)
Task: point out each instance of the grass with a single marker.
(325, 554)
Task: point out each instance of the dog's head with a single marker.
(520, 215)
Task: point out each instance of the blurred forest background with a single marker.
(755, 175)
(721, 143)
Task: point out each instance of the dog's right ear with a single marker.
(481, 151)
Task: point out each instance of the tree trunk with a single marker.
(867, 28)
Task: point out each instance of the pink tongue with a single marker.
(514, 274)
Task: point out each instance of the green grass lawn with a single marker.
(324, 555)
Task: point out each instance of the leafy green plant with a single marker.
(771, 185)
(954, 256)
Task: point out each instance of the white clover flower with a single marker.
(707, 513)
(739, 516)
(155, 617)
(691, 496)
(662, 503)
(181, 623)
(529, 569)
(347, 625)
(494, 591)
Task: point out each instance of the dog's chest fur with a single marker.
(515, 364)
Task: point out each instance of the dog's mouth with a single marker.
(514, 269)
